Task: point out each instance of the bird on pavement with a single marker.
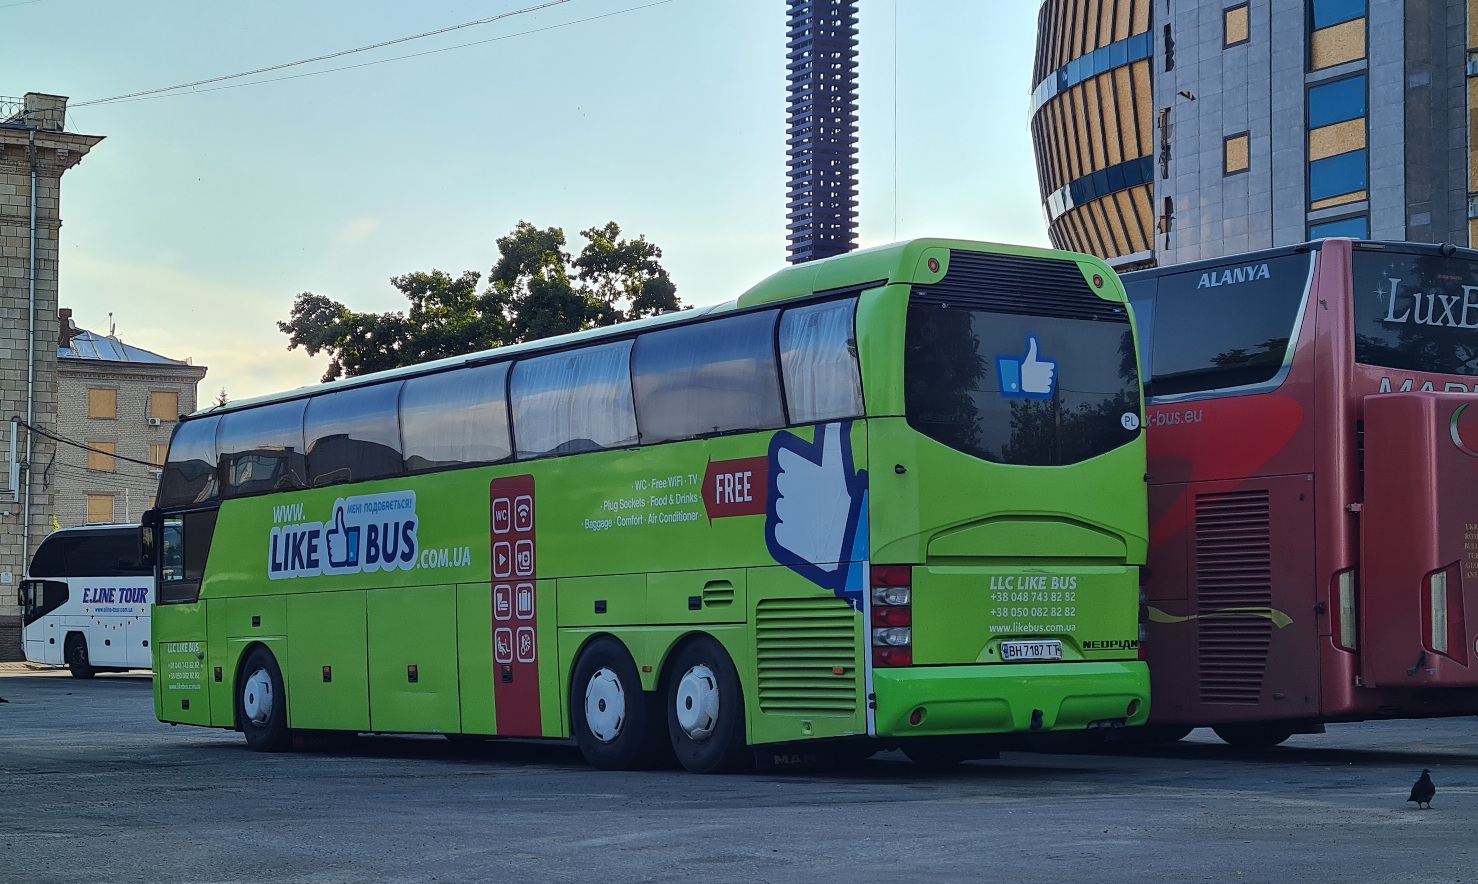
(1423, 790)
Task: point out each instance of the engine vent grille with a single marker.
(800, 644)
(1234, 579)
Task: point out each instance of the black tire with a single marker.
(261, 703)
(78, 661)
(705, 709)
(1253, 735)
(939, 753)
(616, 724)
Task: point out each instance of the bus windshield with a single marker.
(1416, 312)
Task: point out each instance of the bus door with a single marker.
(1418, 584)
(38, 599)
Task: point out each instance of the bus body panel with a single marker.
(470, 593)
(1360, 514)
(1419, 541)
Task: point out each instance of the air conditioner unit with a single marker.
(154, 422)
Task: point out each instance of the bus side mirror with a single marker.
(148, 538)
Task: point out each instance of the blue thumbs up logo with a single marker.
(1029, 377)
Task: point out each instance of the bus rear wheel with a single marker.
(617, 725)
(261, 703)
(705, 709)
(1253, 735)
(77, 658)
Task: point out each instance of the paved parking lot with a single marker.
(93, 789)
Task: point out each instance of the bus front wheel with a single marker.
(77, 659)
(616, 724)
(705, 709)
(261, 703)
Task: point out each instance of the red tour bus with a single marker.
(1314, 506)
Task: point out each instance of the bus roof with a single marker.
(893, 263)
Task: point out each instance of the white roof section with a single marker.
(91, 345)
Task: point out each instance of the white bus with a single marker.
(85, 601)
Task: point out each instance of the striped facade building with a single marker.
(1170, 132)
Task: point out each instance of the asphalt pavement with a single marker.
(93, 789)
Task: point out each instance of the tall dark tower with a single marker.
(823, 128)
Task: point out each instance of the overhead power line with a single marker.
(331, 55)
(85, 447)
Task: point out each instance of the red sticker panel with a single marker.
(515, 636)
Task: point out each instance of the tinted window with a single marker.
(1336, 175)
(190, 469)
(713, 377)
(1353, 228)
(458, 417)
(90, 554)
(579, 400)
(1333, 12)
(352, 435)
(1008, 388)
(1416, 312)
(818, 353)
(1337, 102)
(1223, 327)
(261, 449)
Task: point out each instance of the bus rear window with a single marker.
(1416, 312)
(1231, 324)
(1020, 389)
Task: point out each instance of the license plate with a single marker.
(1014, 652)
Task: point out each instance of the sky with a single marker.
(205, 212)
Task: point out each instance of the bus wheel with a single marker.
(705, 709)
(77, 659)
(937, 753)
(616, 724)
(261, 703)
(1253, 735)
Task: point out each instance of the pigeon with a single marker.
(1423, 790)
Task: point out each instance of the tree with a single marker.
(221, 398)
(535, 290)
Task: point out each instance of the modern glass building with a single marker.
(1211, 128)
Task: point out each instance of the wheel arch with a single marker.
(238, 665)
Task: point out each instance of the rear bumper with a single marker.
(1003, 699)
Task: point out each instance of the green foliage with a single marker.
(535, 290)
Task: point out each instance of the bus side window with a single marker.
(818, 352)
(709, 378)
(190, 469)
(577, 400)
(184, 548)
(353, 435)
(455, 418)
(261, 449)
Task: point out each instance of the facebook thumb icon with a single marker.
(1029, 377)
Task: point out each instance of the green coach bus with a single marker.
(889, 499)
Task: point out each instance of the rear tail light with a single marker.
(1443, 624)
(1349, 617)
(892, 616)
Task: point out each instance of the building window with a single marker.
(157, 453)
(102, 403)
(100, 457)
(1235, 30)
(164, 405)
(1337, 175)
(1328, 13)
(1337, 102)
(99, 509)
(1338, 32)
(1354, 228)
(1235, 153)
